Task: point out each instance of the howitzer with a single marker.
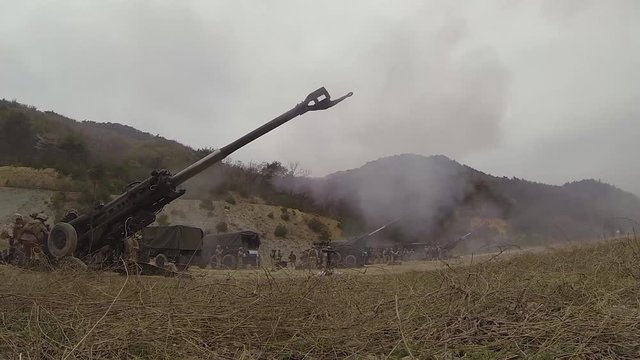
(107, 226)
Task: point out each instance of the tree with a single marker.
(17, 133)
(74, 147)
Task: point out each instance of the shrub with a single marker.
(285, 216)
(280, 231)
(178, 213)
(162, 220)
(319, 228)
(316, 225)
(207, 204)
(324, 235)
(270, 215)
(221, 227)
(230, 200)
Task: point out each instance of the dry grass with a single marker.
(569, 303)
(26, 177)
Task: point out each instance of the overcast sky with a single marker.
(545, 90)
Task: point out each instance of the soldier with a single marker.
(101, 256)
(219, 254)
(32, 234)
(70, 215)
(170, 267)
(395, 255)
(385, 256)
(292, 259)
(132, 247)
(241, 256)
(279, 256)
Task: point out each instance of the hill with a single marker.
(77, 148)
(439, 199)
(436, 198)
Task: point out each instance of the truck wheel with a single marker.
(62, 240)
(161, 259)
(229, 261)
(350, 261)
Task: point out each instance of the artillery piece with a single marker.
(108, 225)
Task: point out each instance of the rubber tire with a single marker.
(229, 261)
(350, 261)
(70, 237)
(161, 260)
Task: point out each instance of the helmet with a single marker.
(41, 217)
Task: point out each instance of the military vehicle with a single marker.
(103, 229)
(352, 252)
(230, 243)
(178, 244)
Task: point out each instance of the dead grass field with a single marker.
(568, 303)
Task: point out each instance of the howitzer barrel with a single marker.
(317, 100)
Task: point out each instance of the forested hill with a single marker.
(440, 198)
(437, 198)
(78, 148)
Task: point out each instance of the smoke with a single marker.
(432, 198)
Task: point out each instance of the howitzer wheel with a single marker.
(161, 260)
(62, 240)
(350, 261)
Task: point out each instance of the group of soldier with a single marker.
(277, 259)
(25, 236)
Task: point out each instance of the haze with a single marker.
(543, 90)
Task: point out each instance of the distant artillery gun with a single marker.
(352, 252)
(103, 230)
(434, 251)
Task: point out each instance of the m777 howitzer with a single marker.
(107, 226)
(351, 252)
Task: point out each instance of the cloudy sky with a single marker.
(545, 90)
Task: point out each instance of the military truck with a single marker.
(230, 243)
(178, 244)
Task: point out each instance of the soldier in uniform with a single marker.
(219, 254)
(292, 259)
(241, 256)
(171, 267)
(318, 259)
(101, 256)
(33, 233)
(132, 247)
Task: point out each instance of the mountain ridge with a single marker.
(445, 195)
